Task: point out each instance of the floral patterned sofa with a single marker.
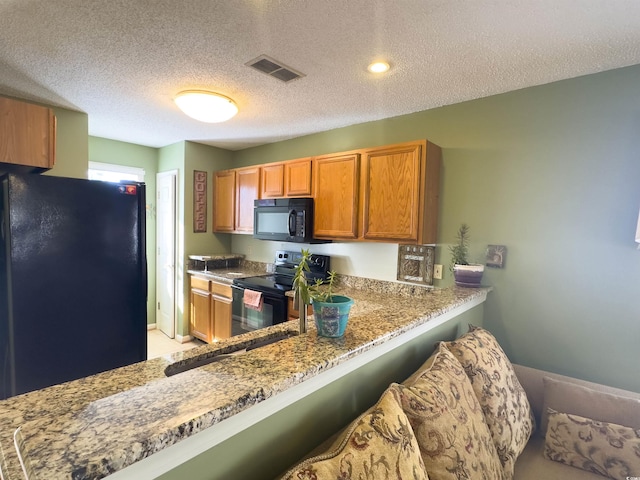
(468, 413)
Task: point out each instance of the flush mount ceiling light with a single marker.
(206, 106)
(378, 67)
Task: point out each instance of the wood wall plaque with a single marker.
(199, 201)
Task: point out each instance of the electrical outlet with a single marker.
(437, 272)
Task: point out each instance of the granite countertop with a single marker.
(228, 275)
(89, 428)
(216, 256)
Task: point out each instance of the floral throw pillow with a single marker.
(598, 447)
(448, 423)
(379, 444)
(504, 402)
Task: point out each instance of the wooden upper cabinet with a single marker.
(224, 199)
(399, 186)
(297, 178)
(335, 189)
(382, 194)
(27, 134)
(391, 192)
(272, 182)
(286, 179)
(247, 189)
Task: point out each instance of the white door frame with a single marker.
(159, 267)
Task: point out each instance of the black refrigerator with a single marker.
(73, 279)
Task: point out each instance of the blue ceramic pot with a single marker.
(331, 317)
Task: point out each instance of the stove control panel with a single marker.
(286, 261)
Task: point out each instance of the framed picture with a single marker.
(199, 201)
(496, 255)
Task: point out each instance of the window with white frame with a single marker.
(108, 172)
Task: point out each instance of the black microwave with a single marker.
(283, 219)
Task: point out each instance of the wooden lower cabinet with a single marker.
(210, 312)
(221, 316)
(200, 319)
(294, 313)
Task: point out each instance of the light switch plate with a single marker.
(437, 272)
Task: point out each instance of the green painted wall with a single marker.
(170, 158)
(121, 153)
(72, 144)
(208, 159)
(185, 157)
(552, 173)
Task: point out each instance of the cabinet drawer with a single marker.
(200, 283)
(221, 289)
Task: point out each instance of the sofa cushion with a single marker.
(378, 444)
(504, 401)
(599, 447)
(586, 402)
(532, 465)
(447, 420)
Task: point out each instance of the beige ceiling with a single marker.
(123, 61)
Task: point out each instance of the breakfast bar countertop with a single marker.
(95, 426)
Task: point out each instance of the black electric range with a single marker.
(282, 280)
(273, 287)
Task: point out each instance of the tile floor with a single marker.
(159, 344)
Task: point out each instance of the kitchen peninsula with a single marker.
(135, 422)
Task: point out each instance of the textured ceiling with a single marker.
(123, 61)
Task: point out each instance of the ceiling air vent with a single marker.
(274, 68)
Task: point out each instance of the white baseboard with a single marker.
(178, 338)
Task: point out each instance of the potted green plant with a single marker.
(465, 274)
(330, 311)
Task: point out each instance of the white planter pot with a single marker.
(468, 275)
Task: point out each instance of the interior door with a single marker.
(166, 252)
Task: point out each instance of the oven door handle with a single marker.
(268, 295)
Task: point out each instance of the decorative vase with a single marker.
(468, 275)
(331, 317)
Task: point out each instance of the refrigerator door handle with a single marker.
(2, 464)
(25, 463)
(2, 226)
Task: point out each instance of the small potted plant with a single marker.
(330, 312)
(464, 273)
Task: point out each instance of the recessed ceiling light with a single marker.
(378, 67)
(206, 106)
